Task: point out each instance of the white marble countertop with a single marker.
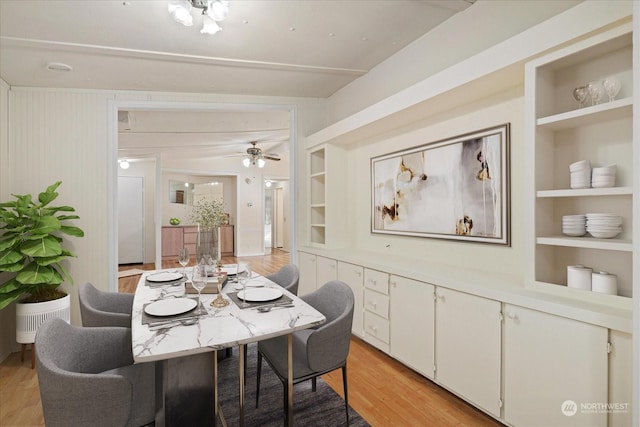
(220, 328)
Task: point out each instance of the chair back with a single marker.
(328, 345)
(69, 360)
(98, 308)
(288, 277)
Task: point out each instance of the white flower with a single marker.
(208, 213)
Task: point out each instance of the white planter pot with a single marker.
(29, 316)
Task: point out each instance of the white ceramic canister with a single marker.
(604, 283)
(579, 277)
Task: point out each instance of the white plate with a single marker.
(574, 234)
(260, 294)
(170, 306)
(164, 277)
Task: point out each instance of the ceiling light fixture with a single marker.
(213, 11)
(253, 160)
(124, 164)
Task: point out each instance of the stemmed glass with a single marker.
(244, 276)
(580, 94)
(612, 87)
(199, 281)
(595, 92)
(183, 259)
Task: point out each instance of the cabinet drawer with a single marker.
(376, 326)
(376, 303)
(376, 280)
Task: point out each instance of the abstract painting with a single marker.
(456, 189)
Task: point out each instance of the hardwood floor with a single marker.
(383, 391)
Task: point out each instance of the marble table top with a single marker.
(220, 328)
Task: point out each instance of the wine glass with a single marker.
(580, 94)
(244, 276)
(199, 281)
(612, 87)
(595, 92)
(183, 259)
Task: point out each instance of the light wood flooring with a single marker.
(383, 391)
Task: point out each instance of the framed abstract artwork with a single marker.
(455, 189)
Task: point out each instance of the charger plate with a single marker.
(165, 276)
(170, 306)
(260, 294)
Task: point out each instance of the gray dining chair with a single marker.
(100, 308)
(316, 351)
(288, 277)
(87, 377)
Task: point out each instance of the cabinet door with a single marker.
(553, 365)
(226, 240)
(307, 266)
(411, 315)
(326, 270)
(172, 241)
(468, 347)
(353, 275)
(620, 379)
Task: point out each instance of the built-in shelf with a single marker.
(588, 115)
(586, 192)
(587, 242)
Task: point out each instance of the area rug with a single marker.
(127, 273)
(324, 407)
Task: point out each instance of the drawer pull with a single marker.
(374, 329)
(513, 316)
(373, 304)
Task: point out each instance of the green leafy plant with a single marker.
(208, 213)
(31, 246)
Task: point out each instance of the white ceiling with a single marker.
(298, 48)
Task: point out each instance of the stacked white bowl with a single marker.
(574, 225)
(580, 174)
(603, 225)
(604, 176)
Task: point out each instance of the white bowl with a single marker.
(574, 233)
(580, 165)
(604, 234)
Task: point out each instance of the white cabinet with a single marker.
(553, 364)
(411, 319)
(315, 271)
(326, 270)
(468, 347)
(559, 133)
(376, 309)
(307, 267)
(353, 275)
(327, 196)
(620, 379)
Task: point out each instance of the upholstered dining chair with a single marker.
(87, 377)
(315, 351)
(288, 277)
(99, 308)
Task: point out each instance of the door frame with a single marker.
(112, 164)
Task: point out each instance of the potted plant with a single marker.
(31, 246)
(209, 214)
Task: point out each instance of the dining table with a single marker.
(167, 329)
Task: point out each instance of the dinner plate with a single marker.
(164, 276)
(170, 306)
(260, 294)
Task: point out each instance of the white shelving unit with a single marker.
(318, 197)
(559, 133)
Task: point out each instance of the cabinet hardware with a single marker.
(513, 316)
(434, 369)
(609, 348)
(501, 316)
(499, 403)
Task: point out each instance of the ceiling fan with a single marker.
(255, 156)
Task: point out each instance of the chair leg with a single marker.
(258, 374)
(286, 403)
(33, 355)
(313, 384)
(346, 392)
(245, 364)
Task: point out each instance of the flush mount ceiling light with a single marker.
(213, 11)
(124, 164)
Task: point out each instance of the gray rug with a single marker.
(324, 407)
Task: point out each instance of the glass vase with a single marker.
(207, 246)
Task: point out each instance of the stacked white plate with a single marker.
(604, 226)
(580, 174)
(604, 176)
(574, 225)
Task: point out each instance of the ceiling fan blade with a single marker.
(270, 157)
